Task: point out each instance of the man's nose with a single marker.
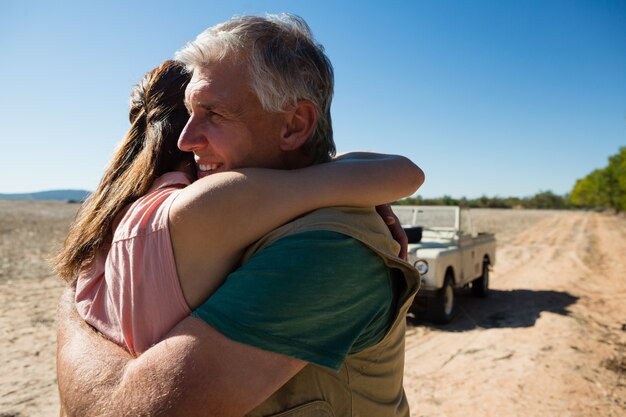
(191, 138)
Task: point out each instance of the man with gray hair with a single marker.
(312, 323)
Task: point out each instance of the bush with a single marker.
(603, 188)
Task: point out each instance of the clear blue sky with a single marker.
(495, 97)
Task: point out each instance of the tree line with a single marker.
(602, 189)
(541, 200)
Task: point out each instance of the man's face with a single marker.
(228, 128)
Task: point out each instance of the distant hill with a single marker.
(63, 195)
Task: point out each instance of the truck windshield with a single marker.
(429, 217)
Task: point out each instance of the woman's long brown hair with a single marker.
(149, 149)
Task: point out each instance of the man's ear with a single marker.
(300, 121)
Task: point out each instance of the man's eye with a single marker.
(212, 115)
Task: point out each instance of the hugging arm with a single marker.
(272, 197)
(194, 371)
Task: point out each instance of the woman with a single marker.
(130, 243)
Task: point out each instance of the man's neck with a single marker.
(296, 160)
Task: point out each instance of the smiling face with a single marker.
(228, 127)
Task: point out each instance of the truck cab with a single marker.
(456, 256)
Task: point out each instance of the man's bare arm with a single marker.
(94, 375)
(195, 371)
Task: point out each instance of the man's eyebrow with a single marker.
(215, 105)
(223, 108)
(208, 106)
(204, 106)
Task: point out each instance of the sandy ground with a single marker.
(547, 342)
(28, 297)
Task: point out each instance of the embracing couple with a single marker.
(229, 263)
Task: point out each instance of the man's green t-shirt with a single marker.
(317, 296)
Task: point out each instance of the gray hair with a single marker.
(285, 63)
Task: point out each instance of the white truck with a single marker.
(449, 255)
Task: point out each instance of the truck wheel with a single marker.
(441, 308)
(480, 286)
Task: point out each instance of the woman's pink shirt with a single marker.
(130, 292)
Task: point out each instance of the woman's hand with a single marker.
(397, 232)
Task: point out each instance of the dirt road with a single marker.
(547, 342)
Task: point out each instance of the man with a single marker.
(312, 323)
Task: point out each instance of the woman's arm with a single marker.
(216, 217)
(382, 177)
